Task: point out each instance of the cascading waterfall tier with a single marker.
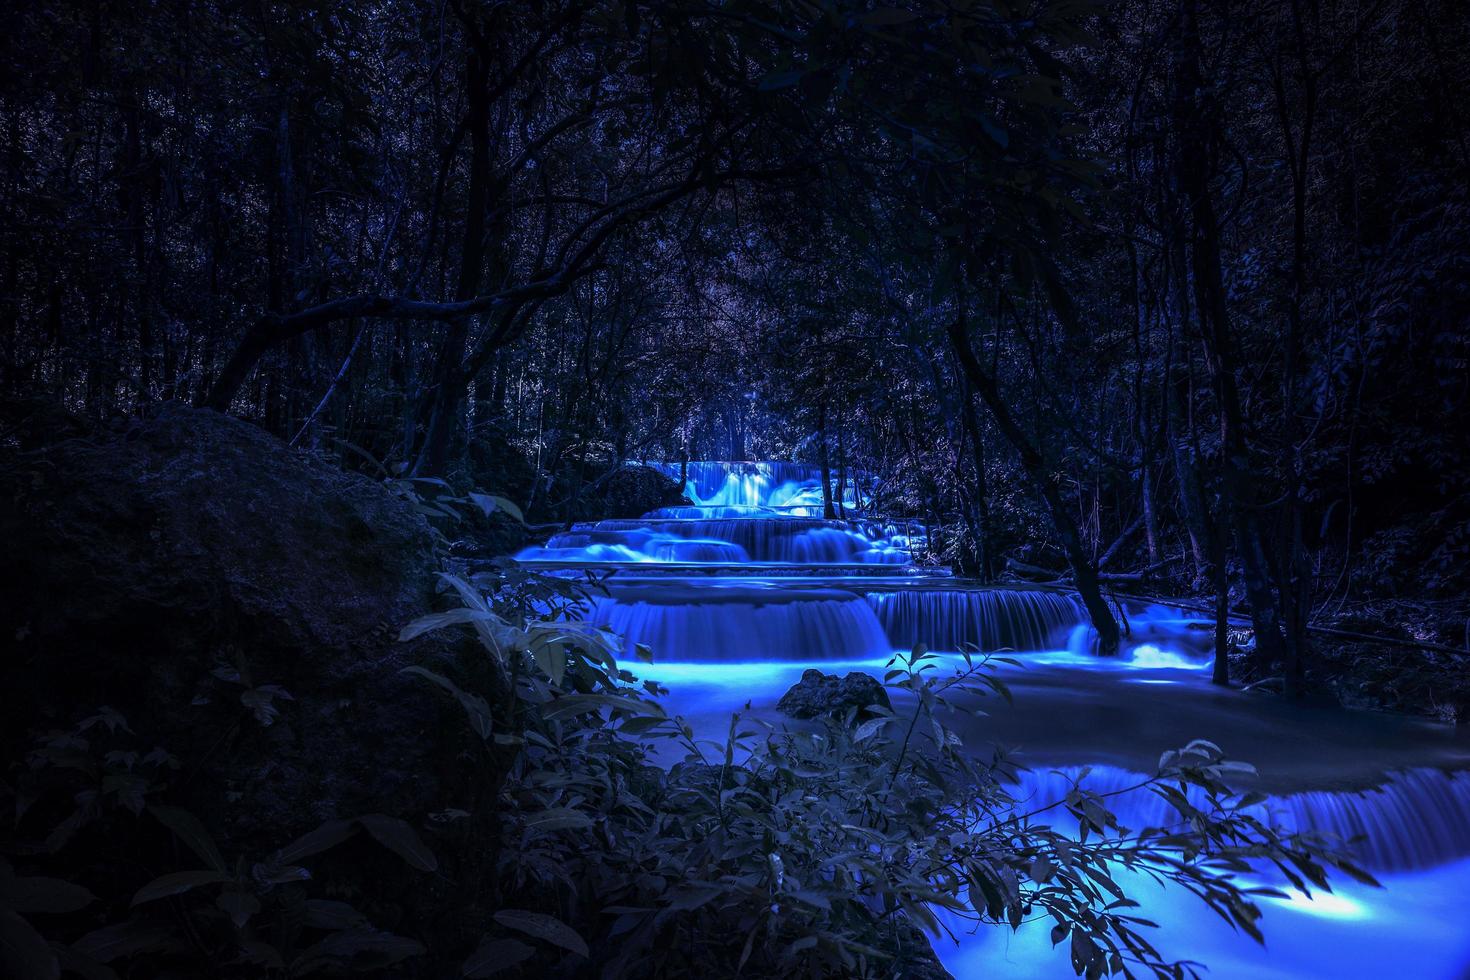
(986, 620)
(784, 590)
(768, 513)
(1414, 819)
(741, 623)
(794, 488)
(799, 540)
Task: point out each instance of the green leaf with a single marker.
(239, 906)
(509, 508)
(544, 927)
(557, 818)
(870, 728)
(83, 966)
(260, 701)
(573, 704)
(439, 620)
(495, 955)
(280, 874)
(187, 828)
(476, 708)
(484, 501)
(552, 660)
(693, 896)
(328, 835)
(400, 838)
(322, 913)
(994, 131)
(375, 948)
(177, 884)
(122, 939)
(23, 951)
(468, 594)
(46, 895)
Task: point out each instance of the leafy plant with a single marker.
(626, 839)
(98, 766)
(248, 889)
(24, 952)
(255, 914)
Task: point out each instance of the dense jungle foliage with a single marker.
(1207, 260)
(1161, 295)
(599, 835)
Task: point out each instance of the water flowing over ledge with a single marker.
(740, 625)
(691, 620)
(986, 620)
(766, 486)
(1414, 819)
(740, 590)
(729, 540)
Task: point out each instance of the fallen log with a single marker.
(1137, 576)
(1117, 545)
(1046, 576)
(1034, 571)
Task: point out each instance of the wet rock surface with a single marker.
(818, 694)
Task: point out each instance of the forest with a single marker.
(825, 488)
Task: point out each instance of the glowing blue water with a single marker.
(786, 540)
(1410, 832)
(740, 513)
(793, 488)
(1413, 928)
(722, 643)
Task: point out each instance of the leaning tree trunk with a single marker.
(1084, 572)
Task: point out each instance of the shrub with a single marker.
(816, 850)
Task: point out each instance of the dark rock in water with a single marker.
(818, 694)
(175, 570)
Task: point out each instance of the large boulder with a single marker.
(186, 568)
(818, 694)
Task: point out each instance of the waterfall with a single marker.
(795, 487)
(1416, 818)
(786, 591)
(800, 540)
(711, 511)
(738, 624)
(985, 620)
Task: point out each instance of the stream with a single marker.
(742, 591)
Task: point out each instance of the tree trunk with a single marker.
(1191, 487)
(985, 565)
(828, 512)
(1197, 133)
(447, 390)
(841, 474)
(1084, 573)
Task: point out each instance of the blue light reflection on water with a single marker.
(698, 687)
(723, 643)
(1415, 927)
